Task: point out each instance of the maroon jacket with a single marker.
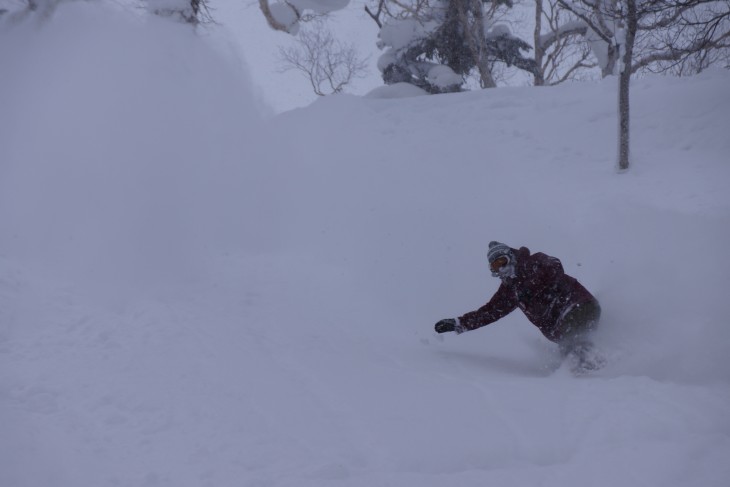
(540, 288)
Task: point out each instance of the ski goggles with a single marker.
(498, 263)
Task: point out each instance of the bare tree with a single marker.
(614, 24)
(601, 19)
(677, 36)
(682, 36)
(658, 35)
(560, 52)
(328, 64)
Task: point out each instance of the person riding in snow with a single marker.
(561, 308)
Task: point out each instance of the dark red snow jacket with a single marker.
(540, 288)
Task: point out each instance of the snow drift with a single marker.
(127, 147)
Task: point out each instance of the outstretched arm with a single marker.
(502, 303)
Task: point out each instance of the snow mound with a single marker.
(397, 90)
(131, 158)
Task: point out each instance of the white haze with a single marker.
(193, 294)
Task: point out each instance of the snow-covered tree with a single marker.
(404, 60)
(435, 44)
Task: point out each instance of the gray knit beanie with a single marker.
(497, 250)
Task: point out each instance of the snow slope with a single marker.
(194, 295)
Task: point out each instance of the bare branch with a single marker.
(675, 55)
(327, 64)
(376, 16)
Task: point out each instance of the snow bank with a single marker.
(128, 147)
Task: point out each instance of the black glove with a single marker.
(444, 326)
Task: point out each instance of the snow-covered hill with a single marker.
(193, 295)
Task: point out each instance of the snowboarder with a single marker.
(563, 310)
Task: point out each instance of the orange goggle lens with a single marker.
(498, 263)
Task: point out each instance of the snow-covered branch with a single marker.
(572, 28)
(287, 15)
(675, 55)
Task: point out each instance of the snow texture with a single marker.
(443, 76)
(400, 33)
(396, 90)
(193, 295)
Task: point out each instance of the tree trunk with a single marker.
(539, 51)
(624, 85)
(473, 32)
(623, 114)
